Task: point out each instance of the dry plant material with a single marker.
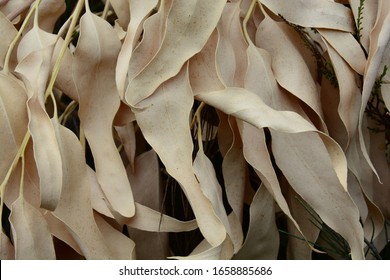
(265, 120)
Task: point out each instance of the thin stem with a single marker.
(199, 130)
(162, 3)
(68, 111)
(246, 19)
(68, 38)
(21, 189)
(197, 113)
(12, 168)
(106, 9)
(87, 8)
(18, 35)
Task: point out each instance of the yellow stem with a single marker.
(18, 155)
(246, 19)
(199, 132)
(68, 110)
(87, 6)
(106, 9)
(21, 190)
(68, 38)
(18, 35)
(197, 113)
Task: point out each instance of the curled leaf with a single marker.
(313, 13)
(94, 74)
(189, 25)
(38, 244)
(173, 100)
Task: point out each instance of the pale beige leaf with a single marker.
(31, 179)
(34, 55)
(98, 199)
(154, 33)
(234, 172)
(356, 193)
(350, 96)
(375, 222)
(65, 81)
(120, 246)
(202, 67)
(148, 219)
(257, 155)
(13, 9)
(359, 166)
(7, 250)
(277, 100)
(330, 98)
(94, 74)
(313, 177)
(313, 13)
(163, 119)
(122, 11)
(205, 174)
(34, 70)
(247, 106)
(13, 119)
(49, 11)
(370, 215)
(7, 34)
(138, 13)
(302, 46)
(30, 232)
(289, 67)
(46, 153)
(347, 47)
(190, 24)
(74, 208)
(274, 96)
(59, 230)
(35, 40)
(231, 50)
(260, 80)
(379, 38)
(262, 240)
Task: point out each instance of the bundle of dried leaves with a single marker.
(123, 128)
